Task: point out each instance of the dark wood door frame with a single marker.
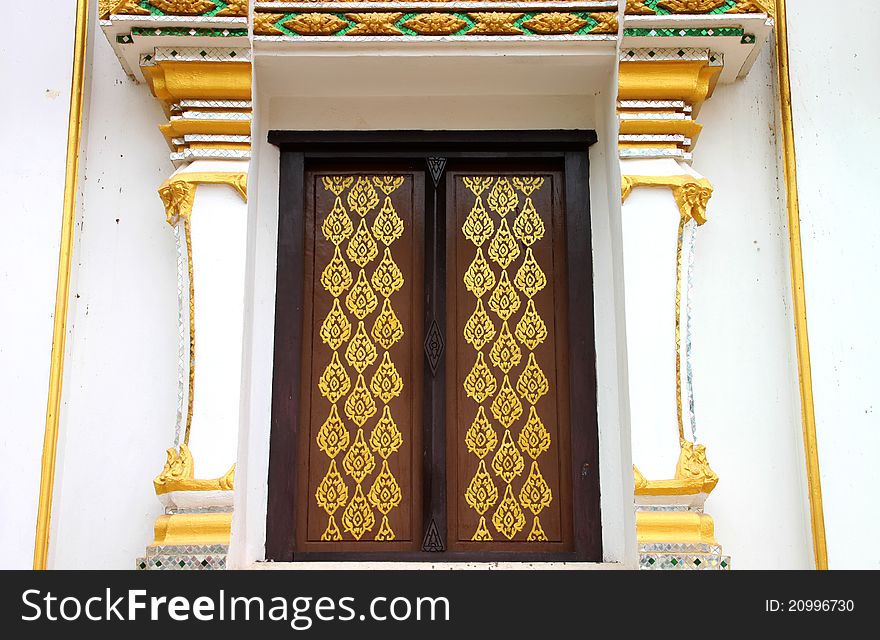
(569, 148)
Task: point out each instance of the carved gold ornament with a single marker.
(315, 24)
(336, 327)
(358, 518)
(386, 383)
(479, 384)
(385, 494)
(502, 198)
(505, 353)
(535, 493)
(360, 352)
(360, 406)
(481, 494)
(607, 25)
(264, 24)
(386, 438)
(531, 330)
(637, 7)
(532, 383)
(508, 517)
(331, 494)
(336, 276)
(183, 7)
(479, 277)
(337, 226)
(333, 436)
(362, 249)
(690, 6)
(179, 191)
(503, 249)
(374, 24)
(387, 278)
(530, 279)
(495, 23)
(534, 438)
(387, 329)
(361, 300)
(555, 23)
(435, 24)
(363, 197)
(504, 300)
(478, 227)
(690, 193)
(388, 226)
(479, 330)
(359, 461)
(481, 437)
(692, 200)
(528, 226)
(334, 382)
(507, 463)
(178, 466)
(693, 465)
(120, 8)
(506, 407)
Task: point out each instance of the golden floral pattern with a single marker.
(507, 462)
(361, 351)
(503, 249)
(481, 437)
(504, 300)
(508, 517)
(375, 24)
(481, 494)
(479, 329)
(531, 330)
(494, 23)
(478, 227)
(315, 24)
(555, 23)
(479, 278)
(503, 198)
(532, 383)
(505, 353)
(530, 279)
(506, 407)
(528, 226)
(435, 24)
(479, 383)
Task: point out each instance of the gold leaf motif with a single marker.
(360, 352)
(362, 249)
(494, 23)
(481, 493)
(482, 533)
(336, 327)
(387, 278)
(331, 493)
(361, 300)
(385, 533)
(363, 197)
(478, 226)
(637, 7)
(337, 184)
(359, 406)
(334, 382)
(315, 24)
(386, 383)
(505, 353)
(477, 184)
(506, 407)
(332, 532)
(388, 184)
(336, 277)
(358, 517)
(481, 437)
(528, 184)
(531, 330)
(508, 517)
(435, 24)
(534, 438)
(607, 23)
(507, 462)
(479, 330)
(479, 278)
(121, 8)
(388, 226)
(387, 329)
(532, 383)
(502, 198)
(386, 438)
(332, 436)
(537, 533)
(504, 301)
(359, 461)
(374, 24)
(528, 226)
(385, 493)
(337, 226)
(555, 23)
(535, 493)
(184, 7)
(690, 6)
(503, 249)
(479, 383)
(529, 277)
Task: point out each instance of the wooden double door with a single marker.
(434, 382)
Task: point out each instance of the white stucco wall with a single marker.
(32, 169)
(837, 134)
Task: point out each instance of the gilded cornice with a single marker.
(172, 81)
(178, 192)
(692, 81)
(691, 194)
(188, 8)
(691, 7)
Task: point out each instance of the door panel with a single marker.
(508, 422)
(362, 361)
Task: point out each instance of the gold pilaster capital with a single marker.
(690, 193)
(179, 191)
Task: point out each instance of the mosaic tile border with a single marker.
(184, 558)
(196, 54)
(636, 54)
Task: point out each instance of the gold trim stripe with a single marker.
(62, 293)
(802, 342)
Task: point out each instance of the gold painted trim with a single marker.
(192, 529)
(62, 293)
(690, 193)
(799, 304)
(681, 527)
